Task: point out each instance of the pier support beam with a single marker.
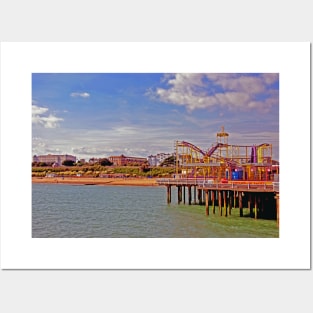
(255, 207)
(249, 205)
(225, 202)
(169, 194)
(207, 202)
(240, 203)
(230, 202)
(179, 194)
(277, 209)
(195, 195)
(213, 201)
(189, 195)
(220, 203)
(200, 196)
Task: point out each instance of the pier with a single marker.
(226, 176)
(259, 197)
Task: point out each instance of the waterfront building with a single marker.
(94, 160)
(121, 160)
(56, 159)
(156, 160)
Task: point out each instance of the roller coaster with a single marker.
(224, 162)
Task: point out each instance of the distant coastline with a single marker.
(96, 181)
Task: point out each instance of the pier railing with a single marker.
(181, 181)
(209, 184)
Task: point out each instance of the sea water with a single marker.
(93, 211)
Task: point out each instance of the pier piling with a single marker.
(213, 200)
(240, 203)
(169, 194)
(189, 195)
(230, 203)
(207, 202)
(220, 211)
(225, 202)
(277, 209)
(262, 201)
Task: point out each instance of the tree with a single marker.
(168, 161)
(68, 163)
(105, 162)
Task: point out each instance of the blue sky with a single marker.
(139, 114)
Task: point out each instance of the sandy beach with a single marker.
(96, 181)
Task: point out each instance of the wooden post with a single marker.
(179, 194)
(262, 196)
(255, 207)
(184, 193)
(169, 194)
(240, 203)
(207, 202)
(195, 195)
(249, 204)
(225, 202)
(230, 203)
(189, 195)
(277, 209)
(220, 203)
(213, 200)
(200, 196)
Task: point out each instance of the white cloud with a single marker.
(38, 110)
(125, 130)
(232, 91)
(92, 151)
(80, 94)
(39, 117)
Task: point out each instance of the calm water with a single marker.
(117, 212)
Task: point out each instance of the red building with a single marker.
(125, 160)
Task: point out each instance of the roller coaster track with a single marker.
(210, 152)
(191, 146)
(195, 148)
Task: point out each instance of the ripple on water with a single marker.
(61, 211)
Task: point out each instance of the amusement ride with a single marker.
(224, 162)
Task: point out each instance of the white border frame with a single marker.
(20, 251)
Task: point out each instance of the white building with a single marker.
(156, 160)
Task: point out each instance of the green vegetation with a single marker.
(170, 161)
(96, 170)
(105, 162)
(68, 163)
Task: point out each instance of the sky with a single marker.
(138, 114)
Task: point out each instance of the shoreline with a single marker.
(143, 182)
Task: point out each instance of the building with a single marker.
(54, 158)
(156, 160)
(94, 160)
(122, 160)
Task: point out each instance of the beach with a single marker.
(96, 181)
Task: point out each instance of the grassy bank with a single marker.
(102, 171)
